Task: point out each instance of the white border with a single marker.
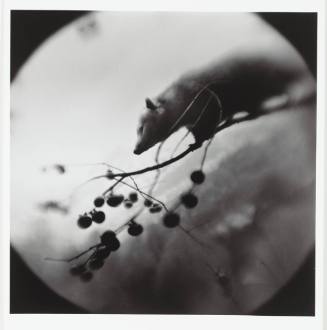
(321, 244)
(170, 5)
(163, 322)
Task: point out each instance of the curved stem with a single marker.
(156, 178)
(113, 186)
(205, 152)
(121, 227)
(191, 148)
(73, 258)
(179, 143)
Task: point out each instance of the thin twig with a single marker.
(145, 194)
(194, 238)
(205, 152)
(179, 143)
(156, 178)
(190, 149)
(73, 258)
(121, 227)
(113, 186)
(119, 169)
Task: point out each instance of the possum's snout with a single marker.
(144, 139)
(138, 147)
(141, 146)
(146, 131)
(138, 150)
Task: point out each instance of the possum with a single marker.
(168, 113)
(201, 99)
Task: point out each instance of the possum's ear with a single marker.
(150, 105)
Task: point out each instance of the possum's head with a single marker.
(150, 129)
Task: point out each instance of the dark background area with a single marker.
(30, 295)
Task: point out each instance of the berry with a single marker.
(98, 216)
(147, 203)
(135, 229)
(114, 245)
(109, 239)
(99, 201)
(133, 197)
(84, 221)
(189, 200)
(128, 204)
(95, 263)
(102, 252)
(171, 220)
(110, 175)
(155, 208)
(77, 270)
(86, 277)
(115, 200)
(198, 177)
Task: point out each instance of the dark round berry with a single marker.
(109, 239)
(86, 277)
(133, 197)
(102, 252)
(114, 245)
(84, 221)
(115, 200)
(98, 202)
(155, 208)
(77, 269)
(98, 216)
(171, 220)
(189, 200)
(95, 263)
(135, 229)
(110, 175)
(148, 202)
(128, 204)
(198, 177)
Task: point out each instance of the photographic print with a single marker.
(163, 162)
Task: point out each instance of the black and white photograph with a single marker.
(163, 163)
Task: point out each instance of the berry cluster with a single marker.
(84, 221)
(109, 241)
(188, 200)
